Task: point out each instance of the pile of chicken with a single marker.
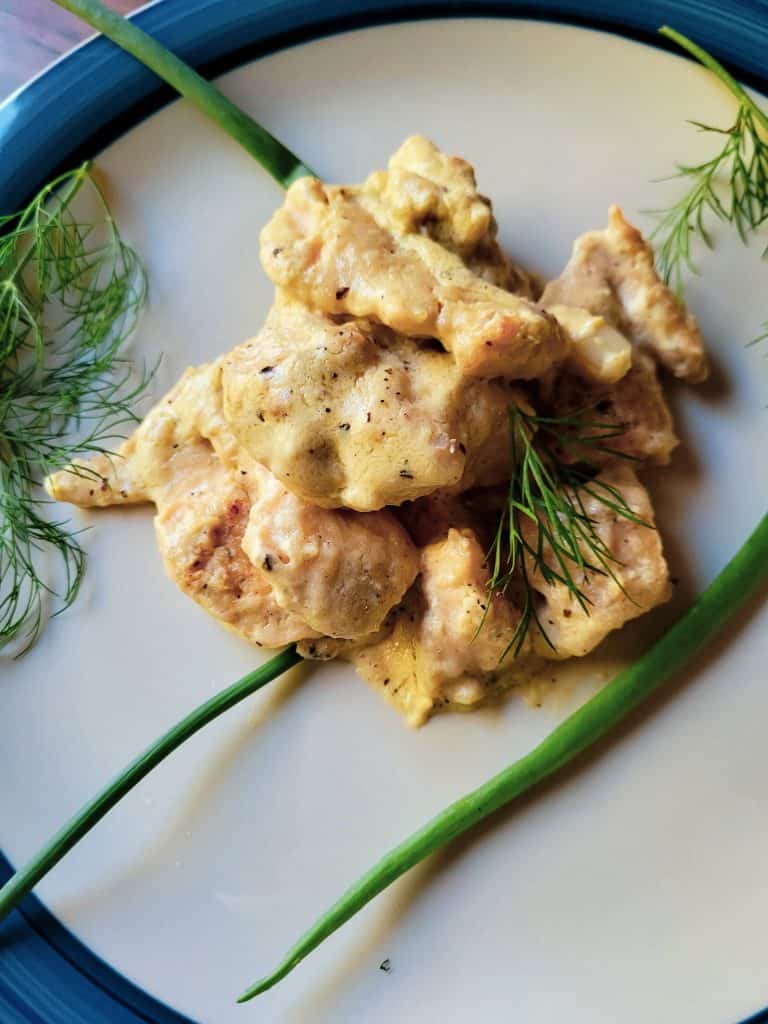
(335, 480)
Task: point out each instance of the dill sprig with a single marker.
(731, 187)
(70, 294)
(545, 528)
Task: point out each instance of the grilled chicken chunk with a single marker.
(634, 407)
(425, 191)
(201, 518)
(202, 513)
(435, 653)
(611, 274)
(341, 570)
(636, 580)
(611, 279)
(362, 252)
(355, 415)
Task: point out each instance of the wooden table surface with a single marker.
(33, 33)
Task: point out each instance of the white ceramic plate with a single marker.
(635, 889)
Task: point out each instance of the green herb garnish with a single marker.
(545, 529)
(731, 187)
(70, 293)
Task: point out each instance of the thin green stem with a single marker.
(731, 186)
(738, 581)
(716, 68)
(17, 887)
(284, 166)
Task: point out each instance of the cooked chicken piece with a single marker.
(100, 481)
(611, 277)
(201, 518)
(465, 630)
(447, 641)
(425, 191)
(635, 407)
(143, 463)
(598, 352)
(491, 332)
(640, 570)
(611, 273)
(342, 569)
(202, 512)
(390, 662)
(358, 416)
(335, 250)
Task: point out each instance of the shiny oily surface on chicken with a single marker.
(337, 479)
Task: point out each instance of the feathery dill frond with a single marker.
(731, 187)
(71, 291)
(545, 528)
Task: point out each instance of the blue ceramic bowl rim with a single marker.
(48, 976)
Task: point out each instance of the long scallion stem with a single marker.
(284, 166)
(739, 580)
(17, 887)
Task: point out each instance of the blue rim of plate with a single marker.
(47, 976)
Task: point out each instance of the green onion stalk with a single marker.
(740, 580)
(283, 165)
(17, 887)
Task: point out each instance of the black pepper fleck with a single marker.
(268, 563)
